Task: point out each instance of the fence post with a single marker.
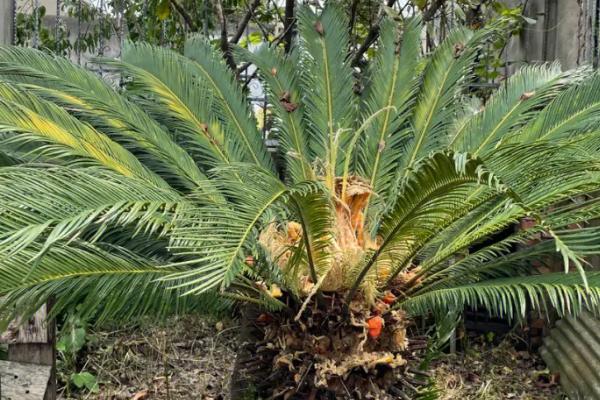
(34, 342)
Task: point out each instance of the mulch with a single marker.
(192, 358)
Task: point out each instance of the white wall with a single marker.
(26, 4)
(562, 32)
(5, 21)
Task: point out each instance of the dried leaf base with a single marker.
(326, 354)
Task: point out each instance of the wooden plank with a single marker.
(10, 335)
(19, 381)
(36, 329)
(33, 342)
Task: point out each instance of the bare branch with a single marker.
(430, 12)
(224, 44)
(371, 36)
(244, 22)
(189, 21)
(288, 24)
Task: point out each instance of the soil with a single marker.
(184, 359)
(193, 359)
(489, 372)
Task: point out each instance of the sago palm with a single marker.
(393, 194)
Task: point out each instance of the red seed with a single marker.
(375, 325)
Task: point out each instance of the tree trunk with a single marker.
(249, 370)
(324, 355)
(288, 24)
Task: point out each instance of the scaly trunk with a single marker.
(324, 355)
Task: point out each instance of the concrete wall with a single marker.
(49, 4)
(562, 32)
(6, 19)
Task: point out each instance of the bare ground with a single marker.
(193, 358)
(495, 373)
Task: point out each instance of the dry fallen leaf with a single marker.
(141, 395)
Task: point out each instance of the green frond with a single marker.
(514, 254)
(479, 224)
(165, 84)
(314, 211)
(327, 84)
(96, 281)
(443, 77)
(433, 197)
(572, 112)
(511, 296)
(228, 101)
(394, 83)
(217, 236)
(33, 118)
(74, 200)
(542, 173)
(284, 95)
(91, 99)
(516, 102)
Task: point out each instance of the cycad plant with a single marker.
(394, 194)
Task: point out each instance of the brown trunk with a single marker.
(249, 368)
(322, 356)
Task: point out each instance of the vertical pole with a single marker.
(595, 33)
(144, 18)
(120, 25)
(288, 24)
(57, 28)
(205, 23)
(13, 28)
(79, 8)
(101, 39)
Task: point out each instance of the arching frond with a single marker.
(217, 236)
(37, 119)
(91, 99)
(228, 101)
(511, 296)
(327, 82)
(72, 201)
(574, 111)
(446, 70)
(517, 101)
(314, 211)
(394, 84)
(96, 281)
(284, 94)
(167, 87)
(434, 196)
